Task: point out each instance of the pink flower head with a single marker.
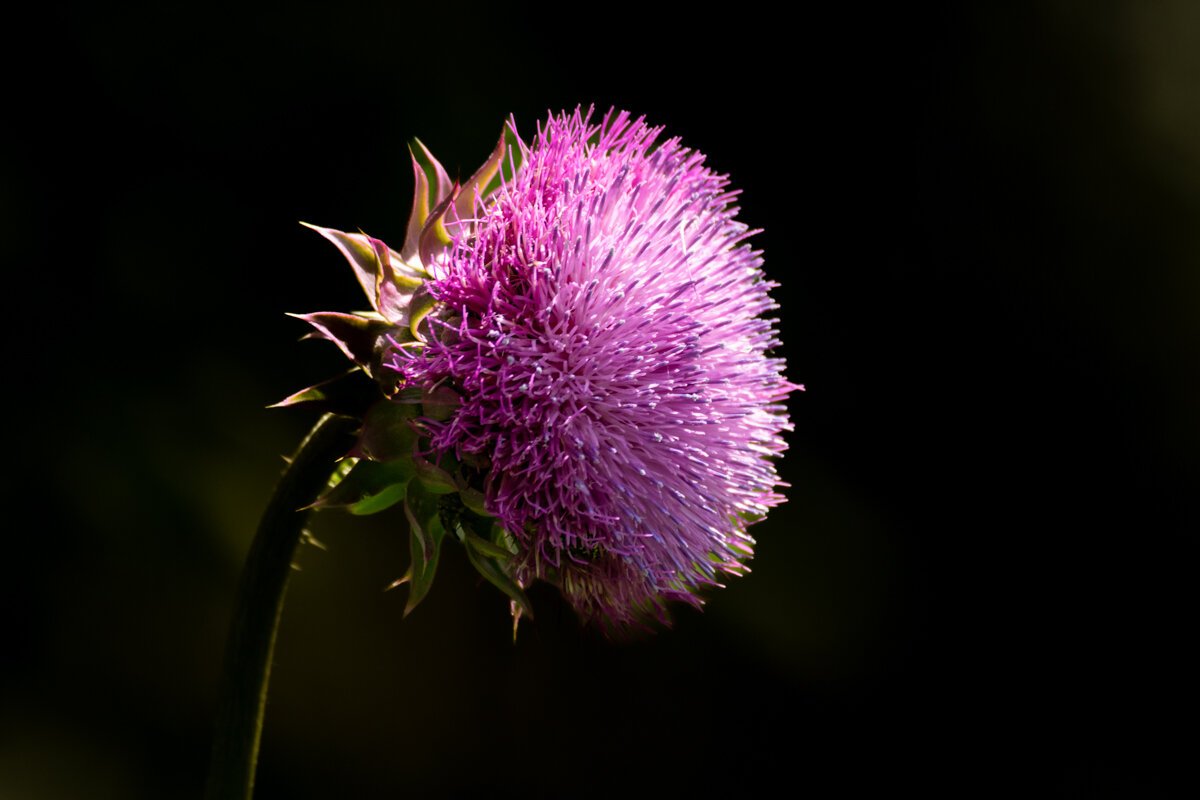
(597, 321)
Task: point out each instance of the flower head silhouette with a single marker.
(573, 341)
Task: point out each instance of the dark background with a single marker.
(984, 220)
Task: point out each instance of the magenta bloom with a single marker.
(598, 325)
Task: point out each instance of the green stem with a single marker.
(256, 611)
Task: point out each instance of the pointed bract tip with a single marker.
(323, 231)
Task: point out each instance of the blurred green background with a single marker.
(984, 220)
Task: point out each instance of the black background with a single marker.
(983, 217)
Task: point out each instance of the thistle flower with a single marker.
(574, 357)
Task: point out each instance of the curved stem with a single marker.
(251, 643)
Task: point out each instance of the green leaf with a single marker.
(370, 486)
(486, 176)
(420, 210)
(357, 249)
(503, 538)
(435, 173)
(421, 509)
(492, 570)
(419, 306)
(359, 336)
(379, 501)
(387, 431)
(421, 572)
(475, 500)
(340, 472)
(432, 476)
(486, 548)
(349, 395)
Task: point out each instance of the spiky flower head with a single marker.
(581, 324)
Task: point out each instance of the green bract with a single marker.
(389, 463)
